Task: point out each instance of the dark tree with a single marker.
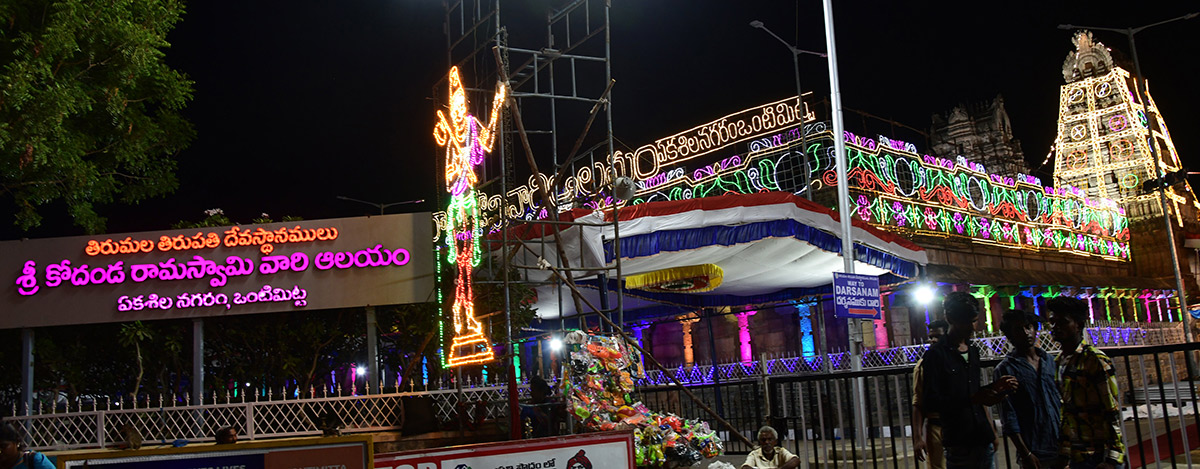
(89, 110)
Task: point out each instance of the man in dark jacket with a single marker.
(953, 390)
(1031, 414)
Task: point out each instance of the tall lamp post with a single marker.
(1162, 198)
(380, 206)
(799, 97)
(372, 326)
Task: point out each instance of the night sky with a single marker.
(299, 102)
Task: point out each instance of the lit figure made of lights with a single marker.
(466, 139)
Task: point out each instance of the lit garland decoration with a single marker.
(647, 161)
(466, 140)
(1104, 136)
(935, 196)
(894, 186)
(898, 189)
(688, 279)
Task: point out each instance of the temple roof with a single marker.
(1090, 58)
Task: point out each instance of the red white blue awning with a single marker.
(771, 246)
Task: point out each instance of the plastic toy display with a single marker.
(598, 384)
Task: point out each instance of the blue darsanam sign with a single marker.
(855, 296)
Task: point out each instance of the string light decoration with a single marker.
(760, 123)
(935, 196)
(897, 188)
(467, 140)
(894, 185)
(1104, 135)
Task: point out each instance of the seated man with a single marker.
(537, 418)
(768, 455)
(226, 436)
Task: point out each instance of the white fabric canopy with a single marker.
(754, 264)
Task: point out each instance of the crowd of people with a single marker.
(1057, 413)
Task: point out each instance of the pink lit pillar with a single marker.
(743, 319)
(1146, 302)
(881, 334)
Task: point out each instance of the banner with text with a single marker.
(587, 451)
(855, 296)
(199, 272)
(343, 452)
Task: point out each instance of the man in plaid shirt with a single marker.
(1090, 436)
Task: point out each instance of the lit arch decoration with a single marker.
(467, 140)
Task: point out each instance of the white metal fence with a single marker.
(101, 427)
(95, 423)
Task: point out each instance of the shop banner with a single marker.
(587, 451)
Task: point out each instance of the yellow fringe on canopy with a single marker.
(709, 275)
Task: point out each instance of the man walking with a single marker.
(953, 390)
(927, 441)
(1030, 415)
(1090, 434)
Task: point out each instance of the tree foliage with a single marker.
(89, 110)
(102, 359)
(134, 334)
(256, 350)
(216, 217)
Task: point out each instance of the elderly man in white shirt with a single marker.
(769, 456)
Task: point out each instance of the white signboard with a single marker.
(588, 451)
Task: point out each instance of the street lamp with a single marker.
(1162, 199)
(372, 347)
(380, 206)
(799, 96)
(924, 294)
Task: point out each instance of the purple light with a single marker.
(744, 334)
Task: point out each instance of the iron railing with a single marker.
(101, 427)
(793, 392)
(1104, 335)
(816, 413)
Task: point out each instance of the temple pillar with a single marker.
(743, 319)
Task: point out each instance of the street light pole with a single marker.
(380, 206)
(372, 325)
(844, 215)
(1162, 198)
(799, 97)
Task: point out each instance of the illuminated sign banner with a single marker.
(277, 267)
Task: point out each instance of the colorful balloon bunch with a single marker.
(599, 388)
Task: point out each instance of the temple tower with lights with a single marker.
(1103, 151)
(1105, 133)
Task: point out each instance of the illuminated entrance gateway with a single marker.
(1105, 133)
(466, 140)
